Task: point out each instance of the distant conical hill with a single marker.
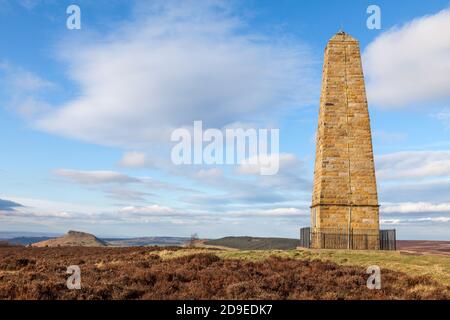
(73, 239)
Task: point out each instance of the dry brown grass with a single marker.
(170, 273)
(435, 266)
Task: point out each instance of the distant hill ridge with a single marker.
(24, 241)
(147, 241)
(253, 243)
(73, 239)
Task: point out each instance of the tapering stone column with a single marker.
(344, 211)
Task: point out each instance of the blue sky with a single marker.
(86, 115)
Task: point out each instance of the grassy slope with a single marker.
(253, 243)
(438, 267)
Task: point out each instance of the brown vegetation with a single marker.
(4, 243)
(424, 247)
(145, 273)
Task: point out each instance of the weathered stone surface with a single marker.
(345, 192)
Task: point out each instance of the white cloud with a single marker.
(120, 193)
(147, 210)
(255, 164)
(390, 221)
(136, 159)
(164, 211)
(435, 220)
(24, 90)
(29, 4)
(23, 80)
(158, 217)
(415, 207)
(444, 117)
(435, 191)
(410, 64)
(182, 62)
(389, 137)
(276, 212)
(32, 207)
(413, 165)
(95, 177)
(212, 173)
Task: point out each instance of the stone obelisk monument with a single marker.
(344, 210)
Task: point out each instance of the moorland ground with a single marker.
(200, 273)
(424, 247)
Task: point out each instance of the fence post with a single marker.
(395, 240)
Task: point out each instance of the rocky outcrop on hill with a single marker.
(73, 239)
